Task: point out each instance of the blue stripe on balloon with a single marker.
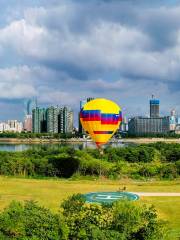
(95, 115)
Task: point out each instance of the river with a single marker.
(16, 147)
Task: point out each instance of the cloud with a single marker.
(106, 44)
(63, 51)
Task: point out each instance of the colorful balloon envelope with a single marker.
(101, 118)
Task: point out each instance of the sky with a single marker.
(63, 51)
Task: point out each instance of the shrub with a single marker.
(168, 171)
(30, 221)
(122, 220)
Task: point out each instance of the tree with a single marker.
(122, 220)
(30, 221)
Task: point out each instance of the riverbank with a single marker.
(150, 140)
(42, 140)
(82, 140)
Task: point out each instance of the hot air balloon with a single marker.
(101, 118)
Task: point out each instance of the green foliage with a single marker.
(157, 160)
(73, 204)
(65, 165)
(30, 221)
(24, 135)
(169, 135)
(92, 166)
(140, 153)
(177, 163)
(122, 220)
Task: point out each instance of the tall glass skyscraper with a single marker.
(39, 120)
(30, 105)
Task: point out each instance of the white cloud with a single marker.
(56, 44)
(106, 45)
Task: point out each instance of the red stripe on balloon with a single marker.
(91, 119)
(103, 132)
(109, 122)
(100, 143)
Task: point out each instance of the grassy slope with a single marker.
(51, 192)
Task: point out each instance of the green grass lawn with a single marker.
(50, 193)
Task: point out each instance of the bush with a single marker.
(65, 165)
(77, 219)
(177, 164)
(30, 221)
(168, 171)
(149, 170)
(158, 160)
(122, 220)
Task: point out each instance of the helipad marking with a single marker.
(100, 196)
(105, 197)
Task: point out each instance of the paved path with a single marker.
(158, 194)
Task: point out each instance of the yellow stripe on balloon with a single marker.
(106, 106)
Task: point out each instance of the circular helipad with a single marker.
(109, 197)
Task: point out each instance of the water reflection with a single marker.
(22, 147)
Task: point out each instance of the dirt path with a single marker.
(157, 194)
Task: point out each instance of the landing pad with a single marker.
(109, 197)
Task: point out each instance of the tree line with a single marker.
(24, 135)
(168, 135)
(157, 160)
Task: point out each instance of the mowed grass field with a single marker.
(50, 193)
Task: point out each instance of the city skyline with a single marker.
(61, 52)
(28, 102)
(60, 119)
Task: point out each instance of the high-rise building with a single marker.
(154, 108)
(124, 125)
(28, 123)
(70, 119)
(61, 121)
(52, 120)
(52, 115)
(4, 127)
(153, 125)
(144, 125)
(11, 126)
(173, 120)
(30, 105)
(89, 99)
(81, 130)
(66, 120)
(178, 120)
(82, 103)
(39, 121)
